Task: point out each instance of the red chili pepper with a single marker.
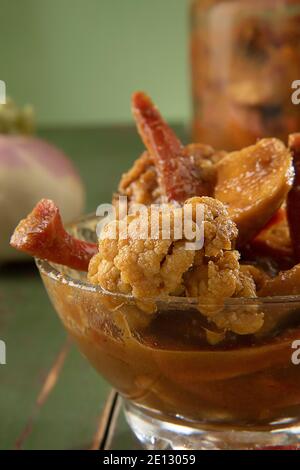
(42, 235)
(293, 200)
(178, 175)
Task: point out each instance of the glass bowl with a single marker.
(179, 391)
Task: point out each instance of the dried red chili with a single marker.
(42, 235)
(178, 175)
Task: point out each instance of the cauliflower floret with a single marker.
(148, 268)
(217, 280)
(139, 184)
(219, 231)
(135, 259)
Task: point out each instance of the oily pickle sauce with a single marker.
(184, 331)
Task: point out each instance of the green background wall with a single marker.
(78, 61)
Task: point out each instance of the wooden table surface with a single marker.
(50, 397)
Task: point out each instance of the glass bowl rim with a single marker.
(49, 270)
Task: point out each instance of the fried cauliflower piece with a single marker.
(220, 232)
(135, 259)
(217, 280)
(146, 268)
(216, 274)
(140, 184)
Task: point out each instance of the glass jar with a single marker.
(245, 56)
